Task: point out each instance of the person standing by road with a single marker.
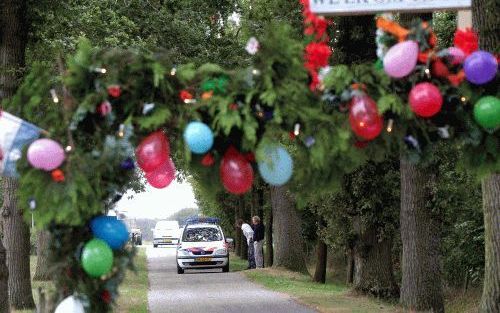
(248, 233)
(258, 241)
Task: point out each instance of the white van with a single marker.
(166, 233)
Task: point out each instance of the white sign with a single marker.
(353, 7)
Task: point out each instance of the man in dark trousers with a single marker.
(258, 241)
(248, 233)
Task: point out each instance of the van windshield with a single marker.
(202, 234)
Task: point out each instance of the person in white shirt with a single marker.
(248, 233)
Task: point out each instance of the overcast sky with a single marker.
(158, 203)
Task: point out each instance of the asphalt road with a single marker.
(208, 291)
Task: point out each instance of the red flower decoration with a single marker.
(439, 69)
(317, 55)
(208, 160)
(104, 108)
(106, 296)
(292, 135)
(233, 106)
(114, 91)
(361, 144)
(467, 40)
(185, 95)
(58, 176)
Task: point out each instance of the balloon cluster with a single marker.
(237, 174)
(462, 61)
(97, 254)
(153, 157)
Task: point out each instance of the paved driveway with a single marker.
(208, 292)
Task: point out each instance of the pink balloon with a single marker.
(162, 176)
(401, 59)
(45, 154)
(456, 55)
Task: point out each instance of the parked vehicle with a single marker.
(136, 236)
(202, 246)
(166, 233)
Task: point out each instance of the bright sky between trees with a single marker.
(158, 203)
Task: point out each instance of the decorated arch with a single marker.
(103, 113)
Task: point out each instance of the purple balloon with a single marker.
(480, 67)
(45, 154)
(401, 59)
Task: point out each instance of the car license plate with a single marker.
(203, 259)
(167, 241)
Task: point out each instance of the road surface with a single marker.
(208, 292)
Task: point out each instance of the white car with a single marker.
(166, 233)
(202, 246)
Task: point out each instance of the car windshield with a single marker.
(202, 234)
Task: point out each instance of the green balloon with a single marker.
(97, 258)
(487, 112)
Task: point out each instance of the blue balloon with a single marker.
(277, 167)
(111, 230)
(199, 137)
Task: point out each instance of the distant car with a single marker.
(166, 233)
(136, 236)
(202, 246)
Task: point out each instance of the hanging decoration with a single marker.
(70, 305)
(199, 137)
(97, 258)
(111, 230)
(162, 176)
(487, 112)
(425, 99)
(401, 59)
(46, 154)
(317, 52)
(480, 67)
(236, 172)
(276, 168)
(364, 118)
(153, 151)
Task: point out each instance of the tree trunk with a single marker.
(269, 254)
(350, 266)
(373, 273)
(4, 276)
(288, 242)
(42, 271)
(321, 258)
(421, 288)
(238, 234)
(490, 301)
(13, 38)
(17, 243)
(485, 22)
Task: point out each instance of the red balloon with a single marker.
(236, 172)
(162, 176)
(364, 118)
(425, 99)
(153, 151)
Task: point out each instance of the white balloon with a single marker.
(70, 305)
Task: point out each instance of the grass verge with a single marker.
(236, 264)
(329, 297)
(134, 289)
